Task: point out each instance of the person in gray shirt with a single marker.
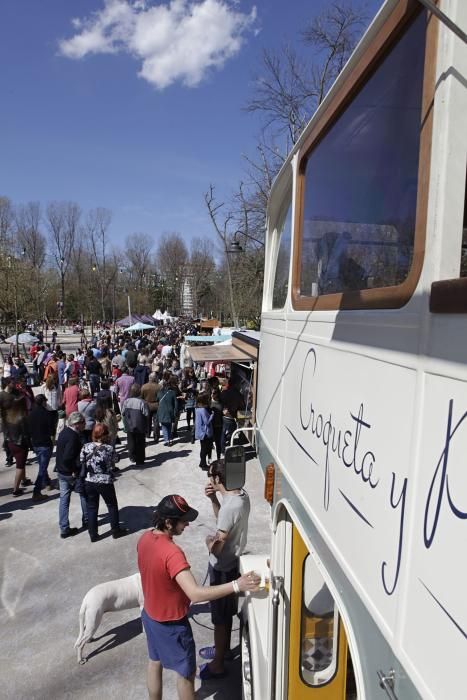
(225, 548)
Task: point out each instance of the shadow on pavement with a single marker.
(136, 518)
(25, 502)
(122, 633)
(156, 460)
(6, 492)
(227, 687)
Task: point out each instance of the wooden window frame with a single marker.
(394, 296)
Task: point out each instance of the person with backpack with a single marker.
(136, 419)
(72, 368)
(203, 429)
(167, 411)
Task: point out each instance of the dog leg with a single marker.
(92, 621)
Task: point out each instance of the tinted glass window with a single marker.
(318, 629)
(361, 180)
(281, 277)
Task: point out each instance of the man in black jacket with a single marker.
(131, 359)
(41, 425)
(94, 370)
(68, 468)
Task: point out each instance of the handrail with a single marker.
(277, 586)
(430, 5)
(241, 430)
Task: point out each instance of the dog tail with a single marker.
(82, 627)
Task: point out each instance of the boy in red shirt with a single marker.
(168, 587)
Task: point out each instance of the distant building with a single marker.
(187, 301)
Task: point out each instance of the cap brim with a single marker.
(191, 515)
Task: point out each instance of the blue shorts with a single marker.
(223, 609)
(171, 643)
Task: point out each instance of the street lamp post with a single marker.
(129, 306)
(236, 247)
(62, 285)
(11, 260)
(231, 294)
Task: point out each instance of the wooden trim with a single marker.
(245, 346)
(398, 295)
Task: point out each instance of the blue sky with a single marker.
(134, 106)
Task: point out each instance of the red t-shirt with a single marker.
(70, 399)
(159, 561)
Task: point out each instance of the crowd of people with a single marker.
(141, 385)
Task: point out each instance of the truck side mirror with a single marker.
(235, 472)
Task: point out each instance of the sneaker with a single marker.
(26, 482)
(95, 538)
(38, 496)
(17, 492)
(209, 653)
(71, 532)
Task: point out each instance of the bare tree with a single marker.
(138, 248)
(137, 272)
(62, 221)
(287, 91)
(172, 259)
(31, 244)
(333, 35)
(96, 230)
(201, 271)
(283, 94)
(6, 220)
(290, 89)
(222, 220)
(30, 239)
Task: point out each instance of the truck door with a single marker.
(319, 662)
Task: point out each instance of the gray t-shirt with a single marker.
(232, 518)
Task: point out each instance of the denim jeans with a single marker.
(167, 431)
(94, 383)
(190, 416)
(107, 491)
(43, 458)
(67, 485)
(156, 427)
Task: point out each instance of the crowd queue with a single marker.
(146, 383)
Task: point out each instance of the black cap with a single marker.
(175, 506)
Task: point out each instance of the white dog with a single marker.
(121, 594)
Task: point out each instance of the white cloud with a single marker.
(178, 41)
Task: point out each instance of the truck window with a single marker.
(282, 261)
(360, 180)
(318, 629)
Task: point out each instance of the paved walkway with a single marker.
(44, 578)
